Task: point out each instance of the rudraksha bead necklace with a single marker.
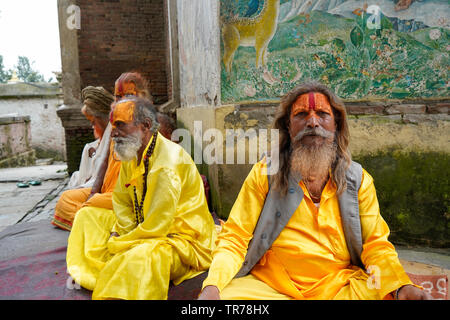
(138, 209)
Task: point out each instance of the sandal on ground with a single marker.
(34, 182)
(23, 185)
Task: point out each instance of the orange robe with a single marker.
(309, 259)
(73, 200)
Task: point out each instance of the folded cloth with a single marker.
(90, 166)
(436, 285)
(33, 266)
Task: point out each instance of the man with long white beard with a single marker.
(313, 230)
(160, 228)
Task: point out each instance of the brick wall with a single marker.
(123, 35)
(168, 52)
(402, 111)
(77, 138)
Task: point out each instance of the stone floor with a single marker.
(32, 203)
(38, 202)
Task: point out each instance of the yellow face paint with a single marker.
(311, 101)
(123, 112)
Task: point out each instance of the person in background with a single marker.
(98, 191)
(96, 108)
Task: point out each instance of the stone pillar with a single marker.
(198, 39)
(173, 57)
(199, 52)
(77, 128)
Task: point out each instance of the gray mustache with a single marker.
(120, 140)
(313, 132)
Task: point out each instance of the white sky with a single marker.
(30, 28)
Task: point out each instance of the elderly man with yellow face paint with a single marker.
(159, 230)
(97, 191)
(90, 186)
(312, 229)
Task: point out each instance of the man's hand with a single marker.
(92, 152)
(209, 293)
(90, 195)
(410, 292)
(114, 234)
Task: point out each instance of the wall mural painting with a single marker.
(384, 49)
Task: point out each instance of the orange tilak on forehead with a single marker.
(311, 101)
(122, 112)
(125, 88)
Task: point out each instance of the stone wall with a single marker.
(113, 37)
(120, 36)
(381, 133)
(78, 137)
(15, 142)
(199, 53)
(39, 102)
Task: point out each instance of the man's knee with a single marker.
(81, 216)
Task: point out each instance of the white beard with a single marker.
(314, 160)
(126, 148)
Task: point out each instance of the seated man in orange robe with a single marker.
(96, 108)
(100, 194)
(310, 228)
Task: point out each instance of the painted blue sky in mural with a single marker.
(432, 13)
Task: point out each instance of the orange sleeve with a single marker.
(100, 200)
(112, 172)
(378, 253)
(237, 232)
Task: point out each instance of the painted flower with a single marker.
(435, 34)
(442, 21)
(249, 91)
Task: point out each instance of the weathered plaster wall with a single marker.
(420, 132)
(374, 134)
(39, 102)
(199, 52)
(413, 193)
(15, 142)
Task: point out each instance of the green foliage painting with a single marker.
(369, 52)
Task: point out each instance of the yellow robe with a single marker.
(174, 242)
(309, 259)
